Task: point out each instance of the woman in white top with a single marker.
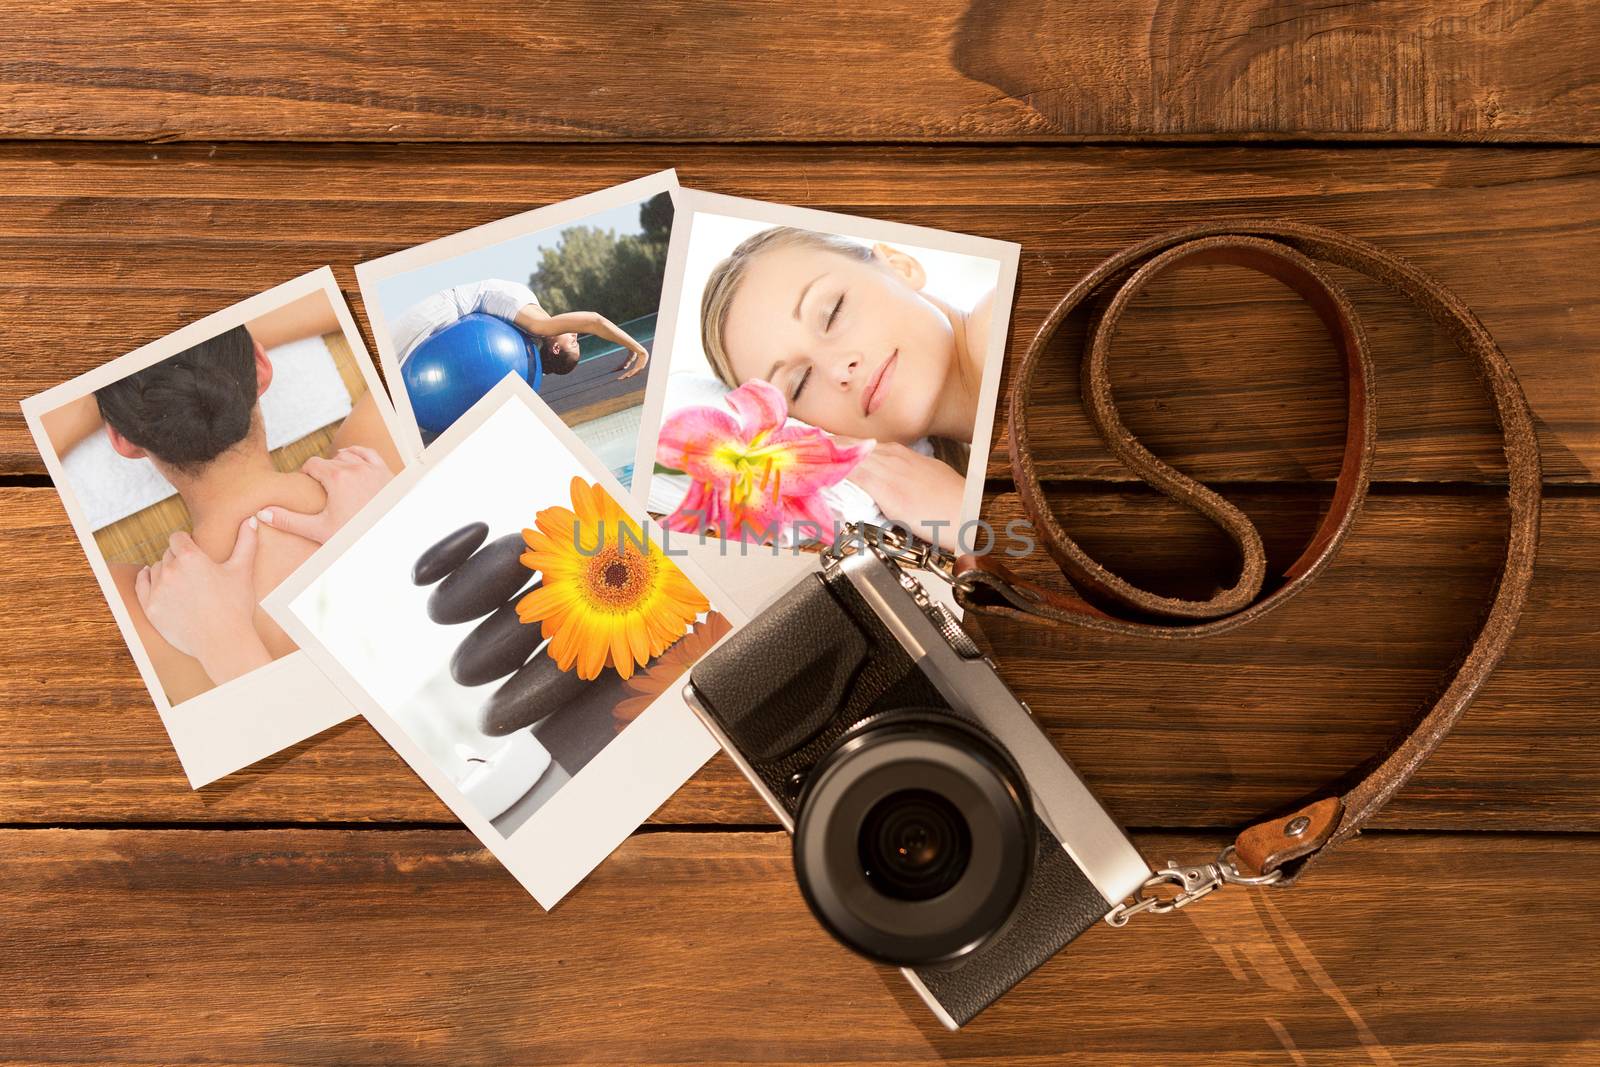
(556, 335)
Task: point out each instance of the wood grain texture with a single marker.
(314, 947)
(1221, 372)
(1170, 733)
(761, 70)
(257, 936)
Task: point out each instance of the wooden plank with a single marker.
(193, 946)
(758, 70)
(1294, 700)
(1203, 733)
(104, 248)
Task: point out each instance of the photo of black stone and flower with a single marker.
(510, 618)
(566, 615)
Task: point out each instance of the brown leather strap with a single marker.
(1293, 254)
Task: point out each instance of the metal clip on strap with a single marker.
(1194, 880)
(1276, 850)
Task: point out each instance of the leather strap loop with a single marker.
(1098, 599)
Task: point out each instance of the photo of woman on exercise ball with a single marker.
(873, 342)
(457, 343)
(564, 297)
(554, 337)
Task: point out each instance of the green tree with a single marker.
(655, 218)
(592, 269)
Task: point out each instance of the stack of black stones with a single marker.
(571, 717)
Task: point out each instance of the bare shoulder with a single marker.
(278, 555)
(365, 425)
(978, 321)
(125, 577)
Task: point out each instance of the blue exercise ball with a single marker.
(450, 371)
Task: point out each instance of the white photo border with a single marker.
(251, 717)
(616, 791)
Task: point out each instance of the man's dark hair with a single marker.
(190, 408)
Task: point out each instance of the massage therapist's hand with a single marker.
(351, 478)
(206, 609)
(913, 489)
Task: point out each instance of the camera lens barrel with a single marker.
(914, 839)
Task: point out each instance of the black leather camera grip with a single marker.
(839, 666)
(769, 706)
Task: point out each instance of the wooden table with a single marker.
(323, 908)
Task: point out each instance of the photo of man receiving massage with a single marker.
(570, 308)
(211, 475)
(819, 378)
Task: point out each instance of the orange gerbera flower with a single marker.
(647, 686)
(604, 600)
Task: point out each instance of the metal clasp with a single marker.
(1192, 881)
(893, 546)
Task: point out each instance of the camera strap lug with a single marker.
(1191, 880)
(891, 545)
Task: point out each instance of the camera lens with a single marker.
(914, 838)
(914, 845)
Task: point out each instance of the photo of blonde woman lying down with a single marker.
(830, 378)
(858, 349)
(243, 522)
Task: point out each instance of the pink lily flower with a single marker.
(754, 474)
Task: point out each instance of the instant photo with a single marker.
(521, 635)
(565, 297)
(818, 370)
(199, 471)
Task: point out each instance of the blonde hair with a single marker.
(724, 281)
(727, 276)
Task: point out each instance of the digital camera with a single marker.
(935, 827)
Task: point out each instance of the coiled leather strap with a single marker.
(1294, 254)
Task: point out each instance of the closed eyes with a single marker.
(800, 383)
